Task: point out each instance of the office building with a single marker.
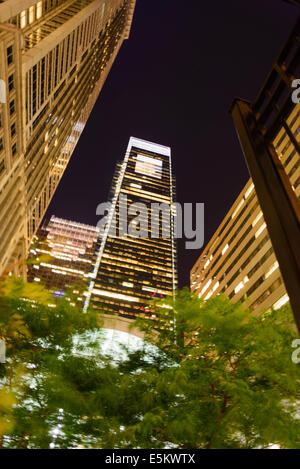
(54, 58)
(130, 269)
(63, 252)
(239, 260)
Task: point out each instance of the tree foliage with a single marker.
(217, 377)
(38, 331)
(233, 383)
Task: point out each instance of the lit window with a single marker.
(208, 295)
(260, 230)
(239, 287)
(115, 295)
(31, 14)
(283, 300)
(257, 219)
(23, 19)
(206, 287)
(272, 269)
(225, 249)
(238, 208)
(39, 10)
(127, 284)
(148, 166)
(249, 191)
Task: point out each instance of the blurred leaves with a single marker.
(215, 376)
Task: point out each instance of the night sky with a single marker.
(173, 83)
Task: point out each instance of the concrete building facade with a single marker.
(239, 260)
(54, 58)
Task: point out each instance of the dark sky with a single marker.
(173, 83)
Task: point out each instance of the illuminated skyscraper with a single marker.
(54, 58)
(65, 250)
(239, 260)
(130, 270)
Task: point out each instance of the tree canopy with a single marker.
(217, 377)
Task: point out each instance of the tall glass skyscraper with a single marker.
(132, 268)
(54, 58)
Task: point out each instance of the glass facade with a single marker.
(63, 251)
(131, 269)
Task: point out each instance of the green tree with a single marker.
(38, 331)
(215, 377)
(223, 378)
